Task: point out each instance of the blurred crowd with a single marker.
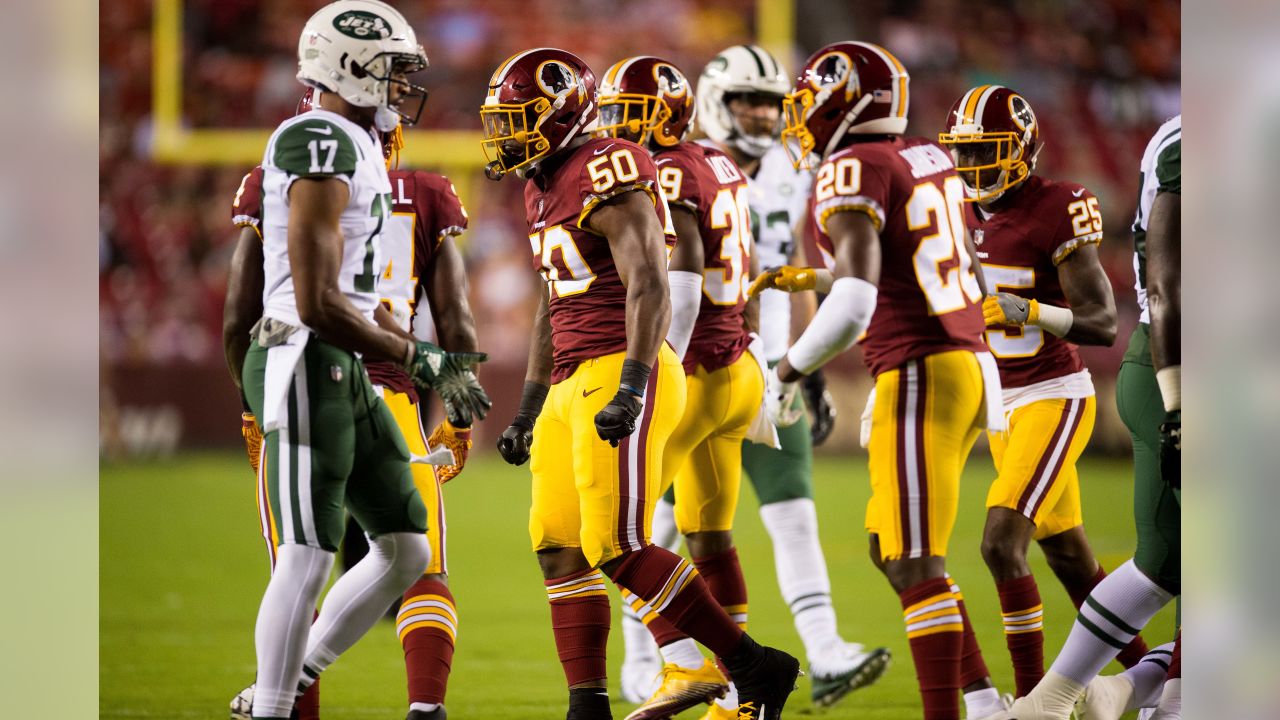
(1101, 74)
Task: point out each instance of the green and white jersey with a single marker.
(322, 144)
(778, 196)
(1161, 172)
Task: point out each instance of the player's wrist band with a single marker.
(410, 352)
(1170, 381)
(532, 397)
(1051, 318)
(635, 377)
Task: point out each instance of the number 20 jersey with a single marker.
(1036, 227)
(929, 299)
(587, 300)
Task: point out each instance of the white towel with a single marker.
(992, 396)
(761, 431)
(282, 361)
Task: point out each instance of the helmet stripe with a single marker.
(971, 104)
(982, 102)
(899, 108)
(755, 54)
(620, 69)
(501, 73)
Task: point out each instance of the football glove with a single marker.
(618, 419)
(1005, 310)
(515, 441)
(458, 440)
(780, 400)
(252, 439)
(786, 278)
(1171, 449)
(821, 408)
(452, 376)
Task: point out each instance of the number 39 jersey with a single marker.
(1020, 246)
(322, 144)
(709, 183)
(587, 301)
(929, 298)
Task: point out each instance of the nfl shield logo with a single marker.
(335, 372)
(977, 236)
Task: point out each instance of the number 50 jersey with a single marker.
(929, 298)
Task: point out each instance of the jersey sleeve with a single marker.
(615, 169)
(846, 183)
(680, 184)
(315, 148)
(1080, 224)
(246, 207)
(1169, 167)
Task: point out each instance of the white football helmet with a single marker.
(739, 69)
(349, 48)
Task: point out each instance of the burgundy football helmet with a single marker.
(646, 99)
(994, 138)
(846, 87)
(538, 101)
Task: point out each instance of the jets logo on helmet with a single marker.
(843, 89)
(647, 100)
(538, 101)
(357, 49)
(994, 138)
(740, 71)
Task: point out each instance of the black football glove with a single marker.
(515, 441)
(821, 407)
(618, 419)
(452, 376)
(1171, 449)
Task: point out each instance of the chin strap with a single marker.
(849, 117)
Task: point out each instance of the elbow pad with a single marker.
(841, 318)
(686, 300)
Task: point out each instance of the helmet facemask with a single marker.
(513, 140)
(402, 101)
(753, 144)
(635, 117)
(989, 163)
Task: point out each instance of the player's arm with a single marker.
(243, 305)
(847, 311)
(638, 246)
(684, 275)
(751, 312)
(974, 264)
(1164, 280)
(515, 441)
(1088, 290)
(447, 291)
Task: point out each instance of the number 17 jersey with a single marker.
(929, 298)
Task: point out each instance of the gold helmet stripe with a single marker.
(501, 73)
(982, 100)
(899, 108)
(970, 105)
(619, 68)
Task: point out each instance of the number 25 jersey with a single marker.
(929, 298)
(587, 300)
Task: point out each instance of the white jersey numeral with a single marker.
(330, 147)
(942, 262)
(1012, 342)
(577, 275)
(730, 212)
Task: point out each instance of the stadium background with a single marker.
(191, 88)
(189, 91)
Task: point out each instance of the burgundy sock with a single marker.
(427, 625)
(580, 621)
(972, 667)
(723, 574)
(935, 631)
(1023, 616)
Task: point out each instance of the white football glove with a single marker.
(780, 399)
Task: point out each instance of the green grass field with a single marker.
(183, 568)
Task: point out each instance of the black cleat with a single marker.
(764, 684)
(437, 714)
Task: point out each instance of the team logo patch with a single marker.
(558, 79)
(1021, 112)
(831, 71)
(670, 81)
(362, 25)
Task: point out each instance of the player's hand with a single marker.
(780, 400)
(1005, 310)
(618, 419)
(1171, 449)
(452, 376)
(786, 278)
(252, 439)
(515, 441)
(458, 440)
(821, 408)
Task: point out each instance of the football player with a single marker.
(1037, 240)
(603, 391)
(890, 210)
(423, 266)
(1150, 405)
(740, 109)
(649, 101)
(326, 197)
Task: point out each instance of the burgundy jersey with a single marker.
(1035, 228)
(425, 210)
(708, 182)
(588, 303)
(929, 299)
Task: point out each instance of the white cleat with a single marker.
(1006, 702)
(640, 679)
(849, 667)
(1105, 698)
(242, 704)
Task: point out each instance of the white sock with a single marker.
(284, 621)
(981, 703)
(1170, 707)
(802, 572)
(638, 644)
(684, 653)
(1148, 677)
(665, 533)
(424, 707)
(1117, 609)
(361, 596)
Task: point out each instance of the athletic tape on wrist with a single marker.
(1170, 381)
(841, 318)
(1055, 320)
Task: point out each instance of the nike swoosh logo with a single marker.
(663, 160)
(328, 130)
(1078, 193)
(588, 392)
(601, 151)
